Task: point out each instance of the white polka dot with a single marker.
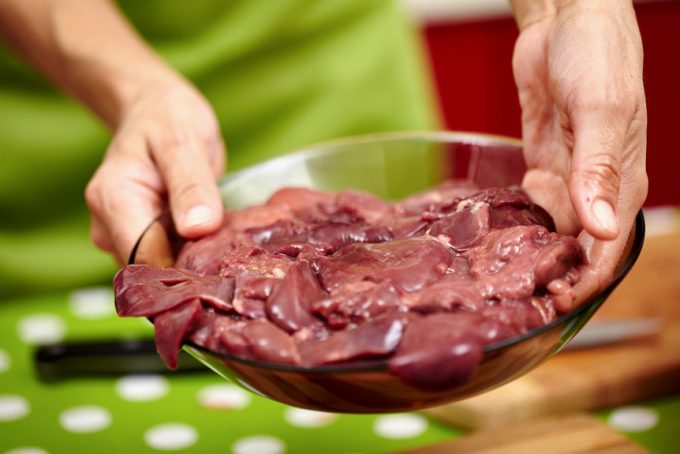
(13, 407)
(142, 388)
(41, 329)
(633, 419)
(168, 437)
(400, 426)
(308, 418)
(92, 303)
(223, 396)
(4, 361)
(259, 444)
(85, 419)
(27, 450)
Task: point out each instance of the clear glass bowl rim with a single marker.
(434, 136)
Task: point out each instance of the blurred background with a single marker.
(54, 285)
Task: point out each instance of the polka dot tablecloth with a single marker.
(198, 412)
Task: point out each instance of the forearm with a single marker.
(86, 47)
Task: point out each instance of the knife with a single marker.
(602, 332)
(106, 358)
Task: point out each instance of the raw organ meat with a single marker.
(312, 278)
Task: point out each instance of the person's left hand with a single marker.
(578, 71)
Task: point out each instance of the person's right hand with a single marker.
(166, 152)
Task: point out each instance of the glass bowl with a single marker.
(391, 166)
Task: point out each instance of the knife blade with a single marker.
(602, 332)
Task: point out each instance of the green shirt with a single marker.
(280, 75)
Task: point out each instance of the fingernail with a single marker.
(604, 215)
(199, 215)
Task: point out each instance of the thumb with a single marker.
(595, 175)
(194, 199)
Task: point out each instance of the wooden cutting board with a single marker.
(600, 377)
(569, 434)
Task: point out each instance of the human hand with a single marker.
(578, 70)
(166, 151)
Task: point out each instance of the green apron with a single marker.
(280, 74)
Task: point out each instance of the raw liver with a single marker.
(313, 278)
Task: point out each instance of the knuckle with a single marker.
(185, 140)
(100, 243)
(184, 146)
(614, 103)
(99, 238)
(620, 105)
(178, 139)
(92, 194)
(187, 189)
(602, 170)
(590, 103)
(603, 166)
(211, 140)
(604, 176)
(169, 140)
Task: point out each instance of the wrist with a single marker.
(529, 12)
(100, 59)
(109, 82)
(117, 88)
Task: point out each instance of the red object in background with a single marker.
(473, 74)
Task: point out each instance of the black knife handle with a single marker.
(105, 358)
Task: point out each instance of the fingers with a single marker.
(123, 198)
(603, 259)
(599, 135)
(190, 179)
(550, 191)
(100, 235)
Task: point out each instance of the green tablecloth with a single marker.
(208, 414)
(199, 412)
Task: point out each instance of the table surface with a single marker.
(201, 412)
